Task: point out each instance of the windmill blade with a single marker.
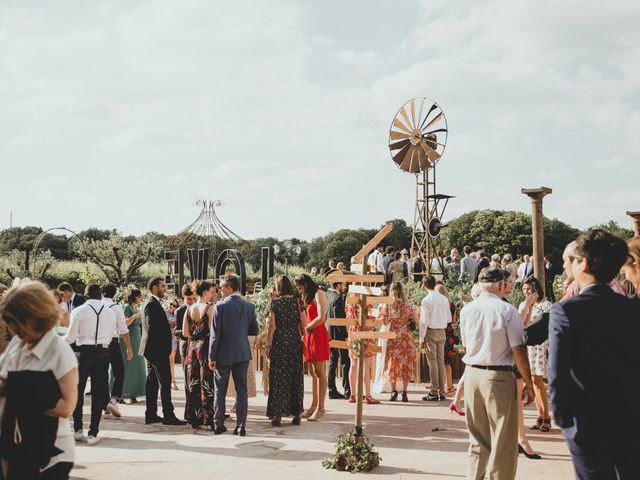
(420, 111)
(399, 125)
(413, 159)
(436, 131)
(405, 116)
(397, 135)
(399, 157)
(406, 163)
(413, 113)
(423, 162)
(433, 107)
(430, 152)
(397, 145)
(437, 118)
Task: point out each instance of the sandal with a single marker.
(352, 399)
(308, 413)
(545, 426)
(537, 425)
(317, 415)
(404, 397)
(394, 396)
(371, 401)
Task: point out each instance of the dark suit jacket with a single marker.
(156, 334)
(77, 300)
(335, 307)
(234, 319)
(593, 360)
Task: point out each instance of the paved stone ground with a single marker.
(402, 433)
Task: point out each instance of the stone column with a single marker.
(536, 195)
(636, 223)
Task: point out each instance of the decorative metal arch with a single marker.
(235, 258)
(40, 237)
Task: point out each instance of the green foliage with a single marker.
(615, 229)
(399, 237)
(261, 301)
(495, 231)
(118, 257)
(354, 454)
(339, 246)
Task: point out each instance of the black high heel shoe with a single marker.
(394, 396)
(532, 456)
(404, 397)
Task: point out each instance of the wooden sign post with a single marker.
(365, 295)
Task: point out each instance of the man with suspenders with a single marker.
(115, 357)
(91, 327)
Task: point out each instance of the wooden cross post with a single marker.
(365, 296)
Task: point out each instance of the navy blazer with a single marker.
(234, 319)
(593, 363)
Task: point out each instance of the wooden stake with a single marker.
(359, 389)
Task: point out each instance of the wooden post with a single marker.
(536, 195)
(636, 223)
(361, 357)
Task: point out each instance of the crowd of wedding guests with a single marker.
(53, 342)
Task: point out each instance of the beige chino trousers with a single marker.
(492, 420)
(435, 357)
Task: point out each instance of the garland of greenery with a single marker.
(354, 454)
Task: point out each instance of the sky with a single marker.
(119, 114)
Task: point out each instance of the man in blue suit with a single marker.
(593, 361)
(234, 319)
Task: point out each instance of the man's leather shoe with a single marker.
(335, 396)
(173, 421)
(240, 431)
(155, 419)
(219, 430)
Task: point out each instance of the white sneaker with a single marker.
(113, 409)
(79, 436)
(91, 440)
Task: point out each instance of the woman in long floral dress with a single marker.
(284, 346)
(353, 312)
(400, 357)
(531, 311)
(199, 402)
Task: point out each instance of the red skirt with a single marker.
(316, 343)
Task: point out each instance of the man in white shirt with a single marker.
(375, 259)
(435, 314)
(109, 291)
(492, 333)
(91, 327)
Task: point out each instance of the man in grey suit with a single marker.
(468, 267)
(234, 319)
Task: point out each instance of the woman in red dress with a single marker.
(316, 343)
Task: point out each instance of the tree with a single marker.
(400, 236)
(495, 231)
(254, 255)
(118, 257)
(613, 228)
(339, 247)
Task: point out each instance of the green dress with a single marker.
(135, 371)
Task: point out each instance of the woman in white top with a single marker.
(31, 313)
(531, 311)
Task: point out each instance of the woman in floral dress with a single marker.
(531, 311)
(400, 357)
(284, 347)
(353, 311)
(199, 401)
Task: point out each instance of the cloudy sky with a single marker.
(119, 114)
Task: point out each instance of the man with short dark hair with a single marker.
(336, 309)
(91, 327)
(234, 320)
(109, 291)
(585, 331)
(155, 345)
(189, 298)
(492, 333)
(435, 314)
(70, 299)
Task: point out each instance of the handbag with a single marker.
(306, 351)
(538, 332)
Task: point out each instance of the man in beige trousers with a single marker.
(493, 336)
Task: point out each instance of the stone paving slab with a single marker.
(403, 434)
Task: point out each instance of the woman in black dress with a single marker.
(284, 347)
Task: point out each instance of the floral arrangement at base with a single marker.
(354, 454)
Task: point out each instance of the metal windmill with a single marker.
(417, 140)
